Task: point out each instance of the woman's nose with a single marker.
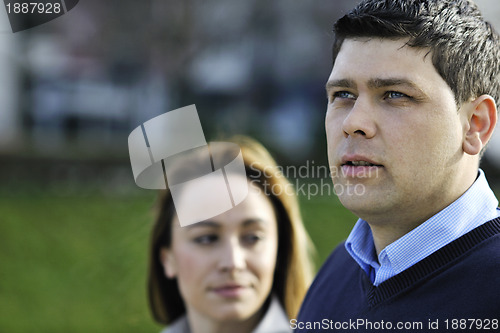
(232, 256)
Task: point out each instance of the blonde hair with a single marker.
(294, 267)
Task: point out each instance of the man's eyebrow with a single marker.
(373, 83)
(381, 83)
(343, 83)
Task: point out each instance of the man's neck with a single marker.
(385, 235)
(386, 231)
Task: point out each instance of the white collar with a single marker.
(274, 321)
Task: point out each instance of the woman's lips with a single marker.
(230, 291)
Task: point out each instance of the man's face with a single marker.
(394, 132)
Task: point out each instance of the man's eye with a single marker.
(343, 94)
(206, 239)
(396, 94)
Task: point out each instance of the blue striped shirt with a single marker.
(475, 207)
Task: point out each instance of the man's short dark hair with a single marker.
(465, 48)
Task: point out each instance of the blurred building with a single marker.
(73, 89)
(81, 83)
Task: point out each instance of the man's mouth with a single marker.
(360, 163)
(359, 167)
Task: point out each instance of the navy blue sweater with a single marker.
(448, 291)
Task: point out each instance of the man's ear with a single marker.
(168, 261)
(482, 118)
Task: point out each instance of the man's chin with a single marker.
(362, 204)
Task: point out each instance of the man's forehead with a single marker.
(380, 59)
(399, 47)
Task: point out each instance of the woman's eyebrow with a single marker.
(213, 224)
(253, 221)
(206, 224)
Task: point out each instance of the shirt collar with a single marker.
(361, 246)
(475, 207)
(275, 320)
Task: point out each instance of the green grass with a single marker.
(78, 263)
(327, 222)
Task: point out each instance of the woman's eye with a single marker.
(251, 239)
(396, 94)
(206, 239)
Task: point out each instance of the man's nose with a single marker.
(232, 256)
(359, 121)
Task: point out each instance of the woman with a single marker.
(243, 271)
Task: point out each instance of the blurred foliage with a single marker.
(78, 263)
(74, 264)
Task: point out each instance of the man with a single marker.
(412, 102)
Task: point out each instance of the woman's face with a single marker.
(225, 265)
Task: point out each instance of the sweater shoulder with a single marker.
(339, 261)
(339, 278)
(456, 279)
